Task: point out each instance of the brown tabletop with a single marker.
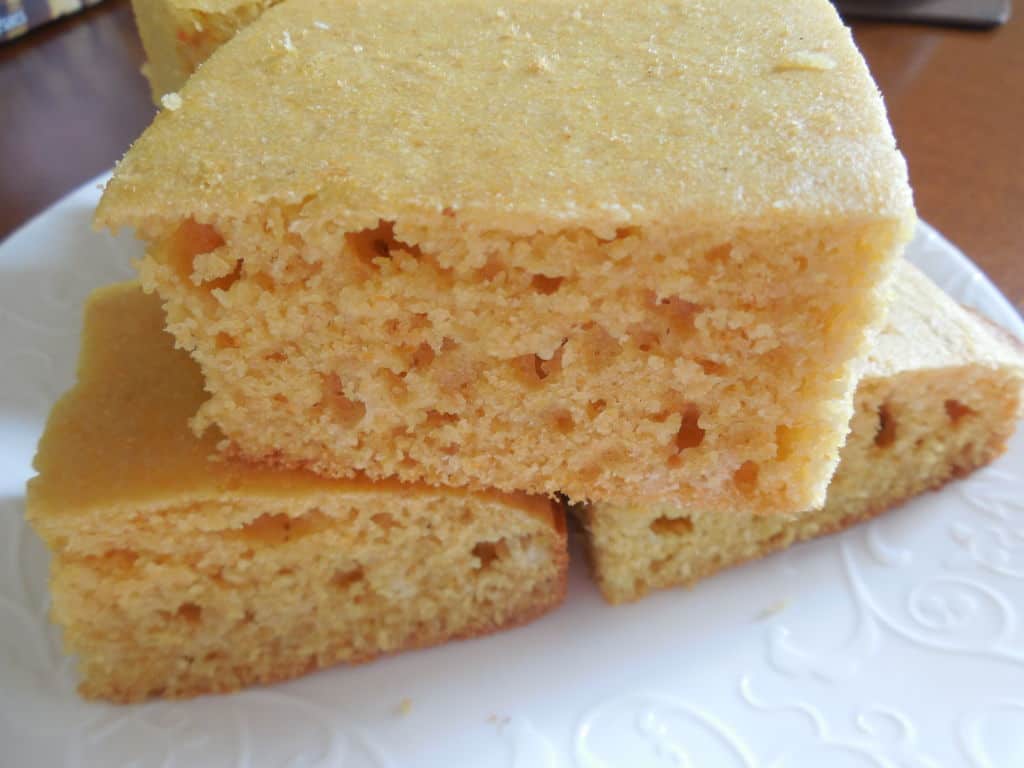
(72, 99)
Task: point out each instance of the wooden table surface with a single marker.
(72, 100)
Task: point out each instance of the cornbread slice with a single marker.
(176, 575)
(178, 35)
(619, 250)
(940, 398)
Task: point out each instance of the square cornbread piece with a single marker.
(940, 398)
(178, 35)
(174, 574)
(622, 250)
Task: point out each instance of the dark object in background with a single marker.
(963, 13)
(20, 16)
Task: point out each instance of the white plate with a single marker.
(899, 643)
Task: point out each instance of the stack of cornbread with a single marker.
(428, 265)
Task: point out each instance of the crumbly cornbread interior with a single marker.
(612, 249)
(176, 574)
(941, 396)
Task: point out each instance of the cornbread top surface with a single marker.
(524, 115)
(120, 436)
(926, 329)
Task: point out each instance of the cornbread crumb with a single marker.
(171, 101)
(560, 269)
(940, 397)
(173, 575)
(806, 60)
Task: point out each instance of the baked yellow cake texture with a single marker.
(940, 398)
(622, 250)
(178, 35)
(176, 575)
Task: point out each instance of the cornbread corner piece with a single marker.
(178, 35)
(174, 575)
(940, 398)
(613, 250)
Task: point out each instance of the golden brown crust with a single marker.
(571, 85)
